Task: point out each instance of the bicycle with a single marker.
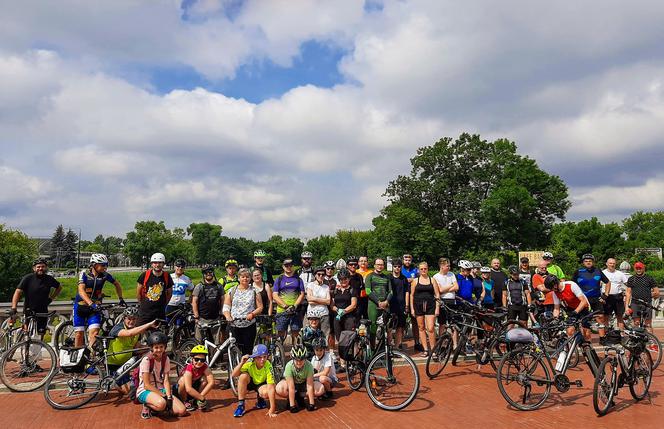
(215, 359)
(654, 346)
(529, 366)
(27, 364)
(356, 366)
(266, 335)
(181, 325)
(389, 370)
(10, 333)
(111, 314)
(75, 386)
(635, 370)
(443, 349)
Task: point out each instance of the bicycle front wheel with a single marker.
(355, 368)
(278, 360)
(604, 386)
(64, 335)
(641, 375)
(654, 347)
(65, 391)
(27, 365)
(523, 379)
(392, 381)
(437, 360)
(234, 357)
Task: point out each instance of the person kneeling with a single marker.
(299, 381)
(154, 390)
(325, 373)
(255, 373)
(196, 381)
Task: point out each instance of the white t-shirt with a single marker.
(180, 287)
(326, 362)
(618, 281)
(444, 281)
(318, 291)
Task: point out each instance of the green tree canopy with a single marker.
(148, 237)
(204, 237)
(17, 252)
(645, 229)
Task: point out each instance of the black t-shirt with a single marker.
(357, 282)
(153, 304)
(36, 290)
(641, 286)
(499, 278)
(516, 292)
(342, 298)
(267, 273)
(400, 287)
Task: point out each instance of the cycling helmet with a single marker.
(157, 337)
(98, 258)
(207, 268)
(260, 253)
(513, 269)
(39, 261)
(158, 257)
(352, 260)
(465, 265)
(328, 264)
(199, 349)
(130, 312)
(625, 266)
(547, 255)
(485, 270)
(180, 263)
(306, 254)
(343, 274)
(320, 269)
(550, 281)
(476, 264)
(230, 262)
(319, 343)
(298, 352)
(588, 256)
(340, 264)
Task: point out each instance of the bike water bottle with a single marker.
(561, 360)
(127, 365)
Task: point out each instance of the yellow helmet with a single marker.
(199, 350)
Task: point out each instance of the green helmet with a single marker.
(260, 253)
(298, 352)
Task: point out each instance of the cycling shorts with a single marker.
(283, 320)
(614, 304)
(83, 318)
(143, 396)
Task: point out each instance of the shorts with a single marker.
(517, 312)
(84, 316)
(640, 310)
(399, 319)
(596, 304)
(425, 307)
(584, 313)
(143, 396)
(614, 304)
(112, 369)
(196, 384)
(334, 379)
(284, 320)
(253, 386)
(301, 387)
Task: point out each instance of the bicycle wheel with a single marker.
(497, 350)
(461, 345)
(355, 368)
(234, 357)
(641, 375)
(604, 386)
(64, 335)
(392, 381)
(181, 354)
(518, 373)
(654, 347)
(69, 391)
(437, 360)
(278, 361)
(27, 365)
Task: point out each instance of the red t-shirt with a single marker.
(548, 296)
(196, 373)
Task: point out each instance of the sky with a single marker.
(291, 117)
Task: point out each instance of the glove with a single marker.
(94, 306)
(573, 314)
(12, 312)
(169, 403)
(340, 313)
(122, 302)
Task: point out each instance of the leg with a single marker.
(243, 382)
(282, 389)
(326, 382)
(178, 407)
(155, 402)
(430, 322)
(319, 389)
(421, 329)
(92, 334)
(79, 336)
(182, 390)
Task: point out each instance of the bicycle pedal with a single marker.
(578, 383)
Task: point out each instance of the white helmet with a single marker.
(158, 257)
(625, 266)
(463, 264)
(98, 258)
(547, 255)
(341, 264)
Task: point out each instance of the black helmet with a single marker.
(207, 268)
(39, 261)
(588, 256)
(343, 274)
(320, 269)
(319, 343)
(352, 260)
(513, 269)
(550, 281)
(180, 263)
(298, 352)
(157, 337)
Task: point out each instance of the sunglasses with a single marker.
(288, 265)
(209, 273)
(199, 360)
(352, 265)
(319, 274)
(306, 259)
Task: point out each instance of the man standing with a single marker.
(615, 303)
(410, 271)
(259, 264)
(477, 279)
(357, 284)
(524, 271)
(540, 291)
(552, 268)
(400, 298)
(590, 280)
(379, 293)
(181, 284)
(516, 297)
(153, 290)
(363, 300)
(207, 302)
(643, 287)
(306, 273)
(288, 294)
(230, 279)
(499, 279)
(40, 289)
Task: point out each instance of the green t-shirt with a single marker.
(259, 375)
(377, 286)
(299, 376)
(556, 271)
(229, 282)
(120, 344)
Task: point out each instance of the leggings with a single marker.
(245, 338)
(374, 312)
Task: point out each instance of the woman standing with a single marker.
(424, 305)
(344, 304)
(241, 305)
(263, 289)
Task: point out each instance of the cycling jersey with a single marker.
(556, 271)
(181, 285)
(229, 282)
(569, 295)
(516, 292)
(410, 272)
(465, 287)
(93, 285)
(488, 288)
(378, 287)
(288, 289)
(590, 281)
(120, 344)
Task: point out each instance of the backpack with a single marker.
(74, 359)
(347, 344)
(148, 274)
(136, 374)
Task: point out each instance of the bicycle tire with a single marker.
(278, 361)
(644, 368)
(73, 382)
(655, 356)
(64, 331)
(604, 386)
(512, 358)
(30, 367)
(181, 354)
(371, 380)
(234, 357)
(498, 352)
(442, 351)
(460, 346)
(355, 369)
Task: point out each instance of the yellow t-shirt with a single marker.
(258, 375)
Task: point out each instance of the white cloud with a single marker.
(615, 201)
(18, 186)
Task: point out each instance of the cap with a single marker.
(524, 260)
(513, 269)
(639, 265)
(287, 261)
(259, 350)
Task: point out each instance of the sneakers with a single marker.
(260, 403)
(239, 411)
(146, 413)
(294, 409)
(202, 405)
(327, 395)
(311, 407)
(189, 406)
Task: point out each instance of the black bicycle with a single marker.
(654, 346)
(268, 336)
(111, 314)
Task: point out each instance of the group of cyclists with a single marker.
(314, 305)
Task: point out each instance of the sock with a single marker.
(240, 402)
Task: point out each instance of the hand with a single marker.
(244, 359)
(629, 312)
(250, 316)
(94, 306)
(154, 323)
(271, 413)
(604, 297)
(122, 302)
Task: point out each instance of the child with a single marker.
(486, 298)
(299, 381)
(196, 381)
(154, 391)
(255, 374)
(324, 371)
(310, 333)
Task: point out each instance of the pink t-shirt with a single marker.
(157, 377)
(196, 373)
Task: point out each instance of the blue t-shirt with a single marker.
(93, 285)
(488, 288)
(410, 273)
(288, 289)
(465, 287)
(590, 280)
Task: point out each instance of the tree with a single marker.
(70, 248)
(17, 252)
(645, 229)
(351, 243)
(148, 237)
(321, 247)
(204, 236)
(180, 246)
(484, 194)
(279, 249)
(57, 245)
